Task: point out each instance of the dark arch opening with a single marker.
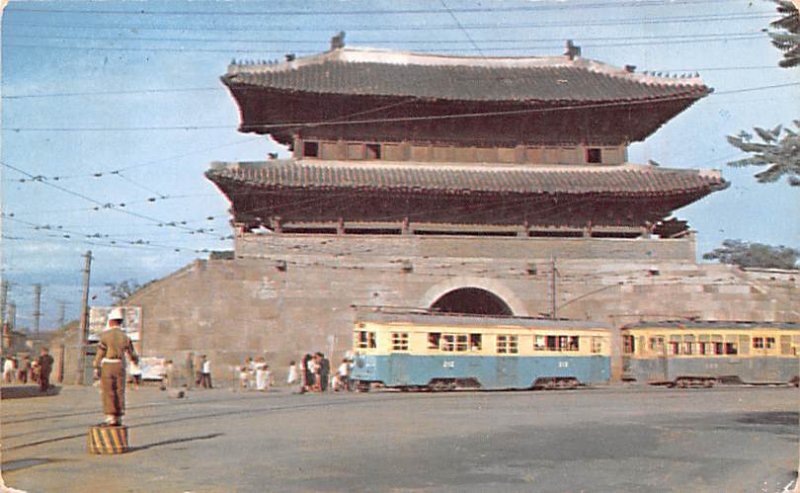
(474, 301)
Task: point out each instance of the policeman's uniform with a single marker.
(110, 360)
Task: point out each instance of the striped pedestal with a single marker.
(107, 440)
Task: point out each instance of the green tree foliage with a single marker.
(779, 151)
(745, 254)
(788, 38)
(121, 291)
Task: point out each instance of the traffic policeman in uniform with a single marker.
(110, 362)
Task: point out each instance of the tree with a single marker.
(121, 291)
(788, 39)
(745, 254)
(779, 153)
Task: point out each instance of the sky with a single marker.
(112, 111)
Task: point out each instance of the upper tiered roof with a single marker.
(373, 72)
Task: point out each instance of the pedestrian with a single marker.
(251, 373)
(198, 369)
(109, 365)
(188, 370)
(308, 373)
(324, 372)
(262, 376)
(136, 373)
(244, 377)
(170, 378)
(23, 369)
(9, 368)
(314, 362)
(45, 363)
(205, 375)
(292, 376)
(343, 375)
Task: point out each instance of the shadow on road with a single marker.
(22, 391)
(174, 441)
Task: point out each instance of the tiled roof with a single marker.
(368, 72)
(464, 179)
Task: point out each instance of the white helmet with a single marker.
(116, 313)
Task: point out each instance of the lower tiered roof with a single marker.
(318, 191)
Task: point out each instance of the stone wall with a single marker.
(284, 295)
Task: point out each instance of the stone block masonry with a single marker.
(285, 295)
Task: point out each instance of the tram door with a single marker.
(398, 369)
(507, 372)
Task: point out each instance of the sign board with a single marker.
(131, 324)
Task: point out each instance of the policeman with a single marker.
(110, 363)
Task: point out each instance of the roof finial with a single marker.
(572, 50)
(337, 41)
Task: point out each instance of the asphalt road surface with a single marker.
(617, 439)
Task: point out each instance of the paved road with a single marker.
(602, 440)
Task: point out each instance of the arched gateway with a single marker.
(472, 300)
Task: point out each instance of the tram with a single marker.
(422, 350)
(695, 353)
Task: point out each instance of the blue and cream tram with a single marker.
(423, 350)
(694, 353)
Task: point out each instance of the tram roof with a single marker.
(713, 324)
(422, 317)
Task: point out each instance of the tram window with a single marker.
(730, 348)
(705, 348)
(718, 348)
(688, 345)
(657, 343)
(507, 344)
(475, 343)
(674, 345)
(563, 343)
(448, 343)
(539, 343)
(758, 343)
(597, 344)
(574, 343)
(400, 341)
(552, 343)
(628, 344)
(461, 343)
(433, 340)
(770, 342)
(365, 339)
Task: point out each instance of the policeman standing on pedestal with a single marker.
(110, 362)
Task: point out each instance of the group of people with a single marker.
(22, 369)
(314, 374)
(255, 374)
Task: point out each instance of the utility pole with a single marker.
(37, 308)
(12, 315)
(3, 299)
(553, 301)
(61, 313)
(83, 332)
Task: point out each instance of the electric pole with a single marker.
(12, 315)
(553, 301)
(83, 332)
(37, 309)
(61, 313)
(3, 299)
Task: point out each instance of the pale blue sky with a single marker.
(89, 87)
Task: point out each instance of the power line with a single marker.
(289, 42)
(321, 12)
(497, 49)
(397, 119)
(426, 26)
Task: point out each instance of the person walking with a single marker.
(324, 372)
(9, 368)
(198, 369)
(109, 366)
(292, 376)
(205, 373)
(188, 370)
(45, 367)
